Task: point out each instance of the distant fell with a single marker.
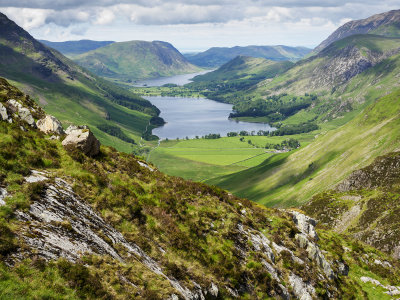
(70, 48)
(129, 61)
(385, 24)
(218, 56)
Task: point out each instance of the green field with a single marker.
(203, 159)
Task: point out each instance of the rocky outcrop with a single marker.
(60, 224)
(390, 290)
(83, 139)
(384, 172)
(50, 124)
(22, 112)
(305, 224)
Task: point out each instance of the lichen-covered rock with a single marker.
(302, 290)
(50, 124)
(3, 112)
(22, 112)
(74, 127)
(3, 194)
(26, 116)
(305, 224)
(82, 139)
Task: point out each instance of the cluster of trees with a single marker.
(285, 145)
(275, 108)
(280, 131)
(294, 129)
(126, 98)
(115, 131)
(212, 136)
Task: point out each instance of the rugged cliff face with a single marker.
(113, 227)
(386, 24)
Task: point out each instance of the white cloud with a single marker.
(104, 16)
(194, 23)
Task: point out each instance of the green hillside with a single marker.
(245, 67)
(217, 56)
(292, 178)
(129, 61)
(113, 227)
(69, 92)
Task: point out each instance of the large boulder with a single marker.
(50, 124)
(82, 139)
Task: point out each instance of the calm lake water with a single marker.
(197, 116)
(178, 79)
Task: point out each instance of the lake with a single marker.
(188, 117)
(177, 79)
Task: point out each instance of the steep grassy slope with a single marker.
(385, 24)
(218, 56)
(72, 48)
(112, 227)
(365, 205)
(128, 61)
(67, 91)
(293, 178)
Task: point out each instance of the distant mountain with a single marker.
(239, 74)
(385, 24)
(218, 56)
(70, 48)
(335, 65)
(128, 61)
(245, 67)
(69, 92)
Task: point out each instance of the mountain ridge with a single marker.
(375, 24)
(69, 48)
(218, 56)
(133, 60)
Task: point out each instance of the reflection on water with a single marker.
(191, 117)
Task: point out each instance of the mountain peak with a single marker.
(386, 24)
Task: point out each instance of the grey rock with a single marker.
(146, 166)
(26, 116)
(3, 195)
(302, 290)
(14, 105)
(3, 113)
(36, 176)
(213, 290)
(305, 224)
(74, 127)
(84, 140)
(60, 224)
(50, 124)
(343, 269)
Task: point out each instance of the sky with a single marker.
(191, 25)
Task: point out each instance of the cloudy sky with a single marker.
(191, 24)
